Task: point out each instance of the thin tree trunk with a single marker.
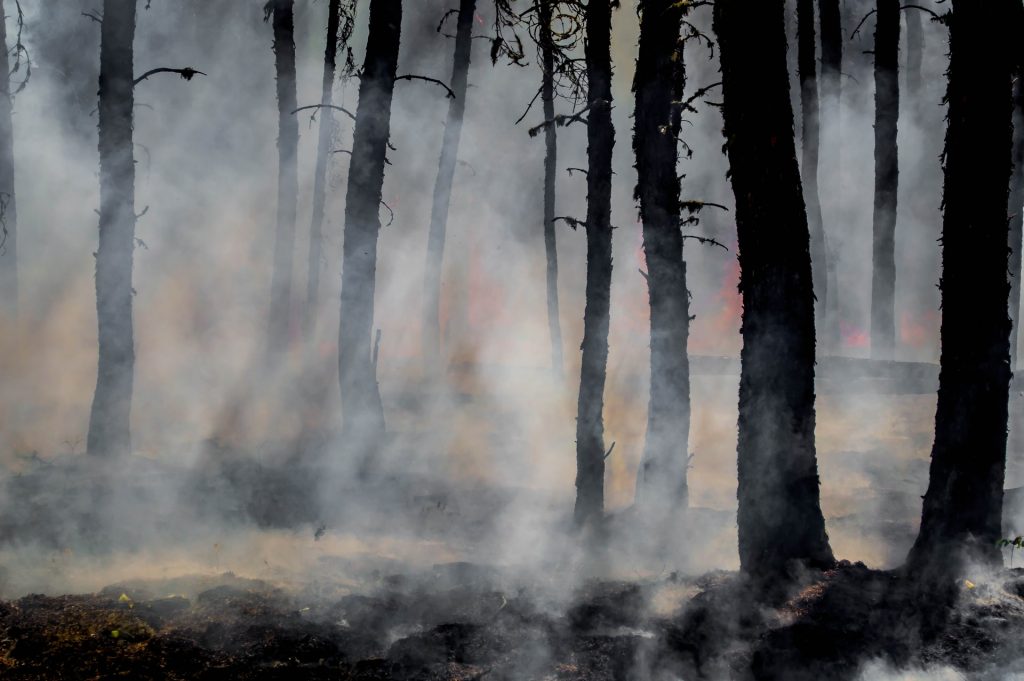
(887, 112)
(780, 519)
(8, 205)
(590, 452)
(323, 156)
(807, 66)
(1016, 212)
(109, 420)
(962, 514)
(550, 171)
(831, 23)
(443, 189)
(915, 52)
(288, 175)
(362, 411)
(661, 488)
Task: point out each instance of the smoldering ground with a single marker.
(246, 505)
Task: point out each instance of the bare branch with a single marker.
(326, 106)
(186, 73)
(707, 241)
(572, 222)
(451, 93)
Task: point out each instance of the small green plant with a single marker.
(1014, 544)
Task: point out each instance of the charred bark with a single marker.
(323, 156)
(8, 205)
(362, 411)
(1016, 212)
(887, 112)
(590, 452)
(807, 67)
(831, 24)
(661, 488)
(547, 47)
(961, 518)
(443, 188)
(283, 12)
(109, 419)
(780, 519)
(915, 52)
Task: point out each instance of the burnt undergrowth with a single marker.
(463, 621)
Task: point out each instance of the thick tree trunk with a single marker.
(288, 176)
(831, 23)
(109, 420)
(550, 170)
(962, 514)
(1016, 211)
(661, 486)
(8, 205)
(780, 519)
(443, 189)
(887, 112)
(807, 66)
(362, 411)
(590, 452)
(323, 157)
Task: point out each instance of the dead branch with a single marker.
(935, 16)
(186, 73)
(563, 120)
(92, 15)
(854, 34)
(609, 452)
(696, 206)
(326, 106)
(391, 212)
(581, 170)
(530, 105)
(451, 93)
(572, 222)
(707, 241)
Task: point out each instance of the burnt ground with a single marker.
(450, 623)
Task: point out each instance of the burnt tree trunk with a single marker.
(362, 411)
(831, 24)
(443, 189)
(915, 52)
(807, 67)
(550, 169)
(887, 112)
(323, 156)
(8, 205)
(661, 487)
(962, 514)
(590, 452)
(780, 519)
(279, 319)
(1016, 211)
(109, 419)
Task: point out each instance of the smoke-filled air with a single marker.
(511, 340)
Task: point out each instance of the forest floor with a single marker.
(452, 623)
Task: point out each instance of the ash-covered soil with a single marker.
(454, 622)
